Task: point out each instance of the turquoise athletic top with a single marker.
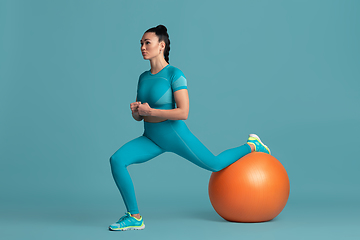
(157, 89)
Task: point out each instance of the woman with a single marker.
(163, 103)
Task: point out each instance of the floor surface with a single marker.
(306, 219)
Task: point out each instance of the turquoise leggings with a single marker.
(168, 136)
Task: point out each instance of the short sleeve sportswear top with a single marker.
(157, 89)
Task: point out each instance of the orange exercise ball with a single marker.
(253, 189)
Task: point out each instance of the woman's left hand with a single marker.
(144, 109)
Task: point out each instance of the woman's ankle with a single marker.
(252, 147)
(137, 216)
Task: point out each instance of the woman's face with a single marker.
(150, 46)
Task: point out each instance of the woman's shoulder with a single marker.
(144, 73)
(174, 71)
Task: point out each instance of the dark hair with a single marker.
(161, 32)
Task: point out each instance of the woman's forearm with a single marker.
(172, 114)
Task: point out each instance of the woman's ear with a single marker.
(162, 46)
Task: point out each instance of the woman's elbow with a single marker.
(185, 116)
(182, 114)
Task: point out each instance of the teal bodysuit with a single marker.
(167, 136)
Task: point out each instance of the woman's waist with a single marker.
(152, 119)
(165, 124)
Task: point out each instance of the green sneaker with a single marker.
(128, 222)
(259, 146)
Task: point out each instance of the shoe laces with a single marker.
(127, 215)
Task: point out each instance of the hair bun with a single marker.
(162, 27)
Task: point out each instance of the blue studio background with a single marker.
(286, 70)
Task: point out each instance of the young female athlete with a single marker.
(163, 103)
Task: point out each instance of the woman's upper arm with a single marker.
(182, 100)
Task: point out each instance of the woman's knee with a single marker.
(116, 160)
(211, 166)
(215, 168)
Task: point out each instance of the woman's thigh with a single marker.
(174, 136)
(138, 150)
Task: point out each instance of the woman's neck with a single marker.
(157, 65)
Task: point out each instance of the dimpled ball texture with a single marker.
(253, 189)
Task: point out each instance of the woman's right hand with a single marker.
(134, 110)
(134, 106)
